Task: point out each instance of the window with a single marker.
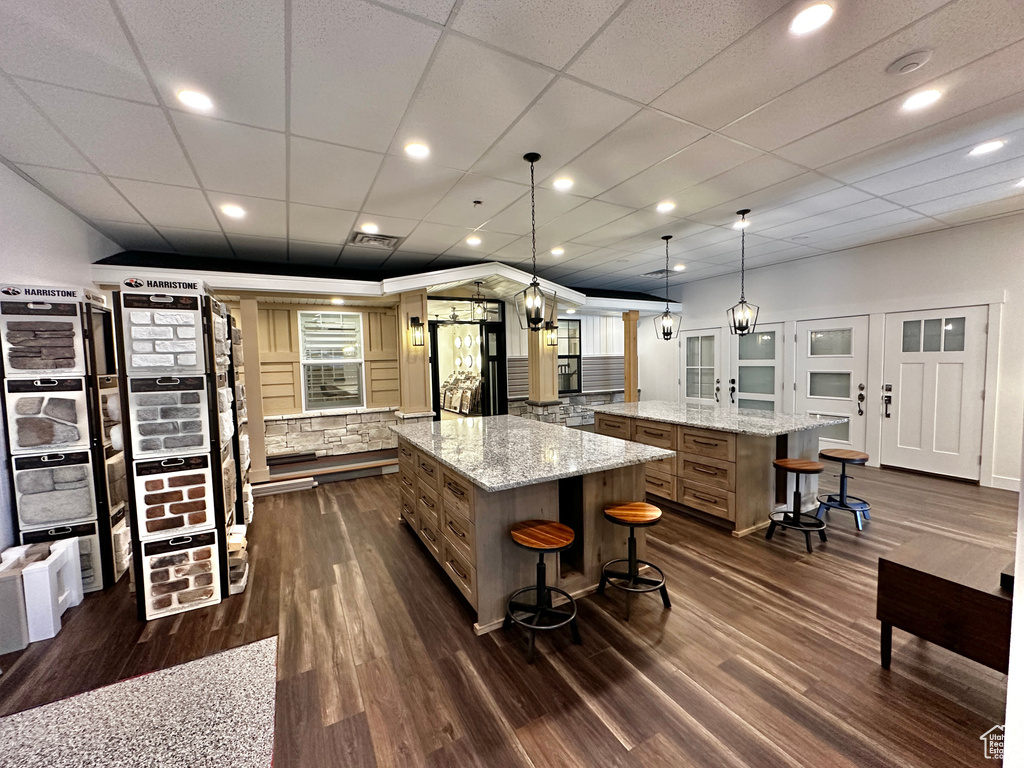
(700, 367)
(331, 353)
(569, 379)
(939, 335)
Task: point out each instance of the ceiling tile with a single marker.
(823, 202)
(589, 216)
(680, 229)
(26, 136)
(301, 252)
(1005, 174)
(879, 234)
(470, 95)
(78, 44)
(224, 153)
(820, 237)
(436, 10)
(248, 247)
(354, 68)
(122, 138)
(776, 196)
(329, 175)
(234, 53)
(387, 225)
(409, 189)
(982, 210)
(759, 173)
(86, 193)
(356, 257)
(433, 238)
(164, 205)
(133, 237)
(409, 261)
(489, 243)
(319, 225)
(829, 218)
(1008, 196)
(457, 208)
(198, 242)
(621, 229)
(550, 205)
(264, 218)
(641, 53)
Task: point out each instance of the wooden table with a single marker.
(947, 592)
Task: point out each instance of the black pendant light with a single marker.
(479, 303)
(743, 316)
(536, 311)
(667, 325)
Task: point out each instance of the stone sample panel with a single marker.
(110, 405)
(41, 337)
(162, 333)
(88, 549)
(180, 574)
(45, 415)
(169, 415)
(117, 482)
(173, 496)
(54, 489)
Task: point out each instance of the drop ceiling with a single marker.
(710, 104)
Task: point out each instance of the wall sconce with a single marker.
(417, 331)
(551, 334)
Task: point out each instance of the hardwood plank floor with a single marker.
(769, 656)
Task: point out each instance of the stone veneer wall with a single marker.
(332, 434)
(573, 411)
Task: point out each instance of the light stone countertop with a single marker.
(497, 453)
(744, 421)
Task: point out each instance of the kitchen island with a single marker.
(721, 464)
(464, 482)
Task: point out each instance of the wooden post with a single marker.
(413, 362)
(543, 370)
(631, 363)
(249, 322)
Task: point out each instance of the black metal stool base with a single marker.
(860, 509)
(632, 583)
(541, 615)
(806, 524)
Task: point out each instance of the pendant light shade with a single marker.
(742, 317)
(667, 325)
(532, 305)
(479, 303)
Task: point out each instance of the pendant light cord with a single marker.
(743, 262)
(533, 219)
(666, 275)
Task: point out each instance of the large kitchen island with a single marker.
(464, 482)
(720, 468)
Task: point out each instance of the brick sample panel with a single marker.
(180, 574)
(45, 414)
(41, 338)
(169, 415)
(173, 496)
(54, 489)
(162, 333)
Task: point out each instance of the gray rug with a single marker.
(213, 712)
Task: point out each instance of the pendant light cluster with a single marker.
(743, 316)
(537, 311)
(667, 325)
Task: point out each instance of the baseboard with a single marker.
(1006, 483)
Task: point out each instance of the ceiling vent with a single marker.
(384, 242)
(658, 273)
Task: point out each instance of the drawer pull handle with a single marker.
(406, 480)
(654, 434)
(454, 489)
(652, 481)
(183, 540)
(709, 443)
(427, 469)
(428, 534)
(425, 502)
(460, 574)
(708, 499)
(455, 530)
(45, 383)
(705, 470)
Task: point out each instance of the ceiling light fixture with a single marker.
(473, 240)
(232, 210)
(921, 99)
(563, 184)
(678, 267)
(664, 207)
(743, 316)
(535, 309)
(570, 311)
(811, 18)
(667, 325)
(558, 251)
(417, 150)
(370, 228)
(479, 303)
(195, 100)
(987, 147)
(337, 302)
(1019, 183)
(742, 223)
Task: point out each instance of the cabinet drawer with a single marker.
(428, 471)
(708, 443)
(654, 433)
(409, 512)
(461, 572)
(428, 507)
(406, 481)
(613, 426)
(708, 471)
(664, 466)
(706, 498)
(457, 494)
(430, 537)
(661, 485)
(407, 454)
(461, 534)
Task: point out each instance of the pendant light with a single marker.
(479, 303)
(667, 325)
(742, 317)
(532, 306)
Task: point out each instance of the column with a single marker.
(413, 361)
(631, 363)
(249, 322)
(543, 371)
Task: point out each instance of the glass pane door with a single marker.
(757, 362)
(701, 382)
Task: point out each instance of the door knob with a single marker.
(888, 401)
(860, 401)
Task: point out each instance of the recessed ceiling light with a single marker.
(232, 210)
(337, 302)
(921, 99)
(570, 311)
(988, 146)
(664, 207)
(562, 184)
(678, 267)
(473, 240)
(810, 19)
(196, 100)
(557, 251)
(1019, 183)
(370, 228)
(419, 151)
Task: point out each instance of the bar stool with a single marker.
(635, 514)
(793, 518)
(541, 536)
(843, 500)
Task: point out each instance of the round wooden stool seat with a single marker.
(800, 466)
(635, 513)
(844, 455)
(542, 535)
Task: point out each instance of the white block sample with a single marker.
(152, 333)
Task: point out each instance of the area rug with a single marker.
(212, 712)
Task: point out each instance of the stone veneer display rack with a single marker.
(175, 354)
(67, 468)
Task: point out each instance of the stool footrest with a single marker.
(564, 613)
(853, 503)
(646, 584)
(799, 521)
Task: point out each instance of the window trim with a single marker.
(361, 361)
(578, 358)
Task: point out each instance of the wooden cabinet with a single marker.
(613, 426)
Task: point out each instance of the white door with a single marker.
(702, 367)
(934, 375)
(831, 376)
(757, 367)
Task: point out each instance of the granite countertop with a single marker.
(744, 421)
(502, 452)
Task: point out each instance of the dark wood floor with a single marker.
(769, 656)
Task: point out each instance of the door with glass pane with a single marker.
(831, 377)
(934, 380)
(757, 369)
(702, 354)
